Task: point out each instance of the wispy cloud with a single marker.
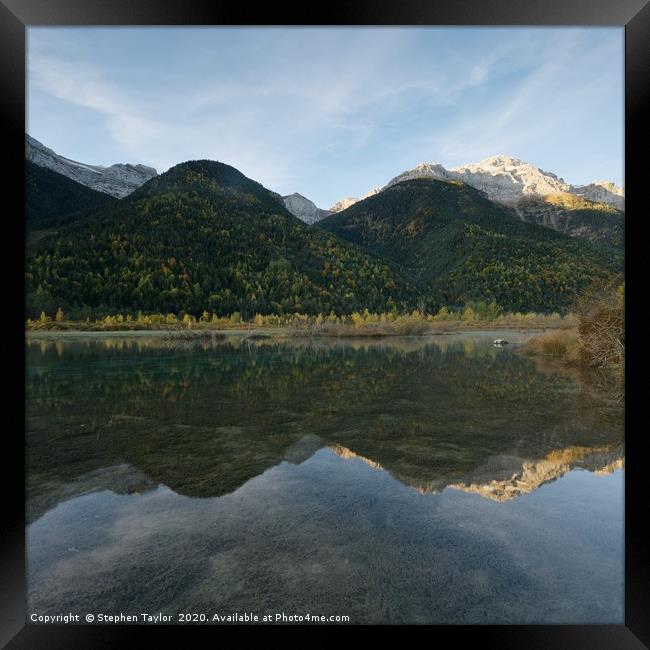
(552, 106)
(323, 112)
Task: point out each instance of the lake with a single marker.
(434, 479)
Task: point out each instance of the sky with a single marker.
(331, 112)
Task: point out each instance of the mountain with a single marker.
(602, 192)
(452, 240)
(344, 203)
(51, 198)
(303, 208)
(202, 236)
(423, 170)
(350, 200)
(342, 382)
(506, 477)
(575, 216)
(507, 180)
(117, 180)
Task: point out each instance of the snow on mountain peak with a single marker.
(425, 166)
(117, 180)
(347, 201)
(504, 179)
(344, 203)
(500, 160)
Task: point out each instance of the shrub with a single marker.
(598, 339)
(601, 326)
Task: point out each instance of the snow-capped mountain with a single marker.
(303, 208)
(506, 180)
(117, 180)
(344, 203)
(347, 201)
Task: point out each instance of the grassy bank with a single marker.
(564, 345)
(356, 324)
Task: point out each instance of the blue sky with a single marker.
(331, 112)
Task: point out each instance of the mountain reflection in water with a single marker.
(210, 418)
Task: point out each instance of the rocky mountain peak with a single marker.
(118, 180)
(344, 203)
(507, 179)
(422, 170)
(501, 161)
(347, 201)
(303, 208)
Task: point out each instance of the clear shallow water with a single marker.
(436, 480)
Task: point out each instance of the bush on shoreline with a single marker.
(598, 339)
(601, 326)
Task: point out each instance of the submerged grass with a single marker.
(563, 344)
(193, 335)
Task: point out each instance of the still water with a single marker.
(408, 480)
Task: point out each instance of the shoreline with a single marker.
(272, 333)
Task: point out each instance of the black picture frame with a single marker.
(16, 15)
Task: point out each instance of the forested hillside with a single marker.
(460, 246)
(204, 237)
(51, 198)
(575, 216)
